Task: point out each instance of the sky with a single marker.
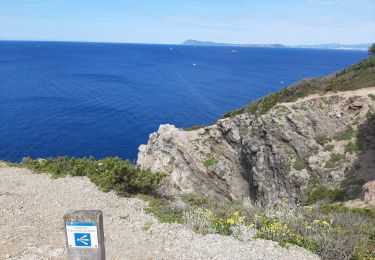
(289, 22)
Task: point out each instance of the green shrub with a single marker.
(233, 113)
(163, 210)
(209, 162)
(315, 149)
(269, 102)
(345, 135)
(322, 139)
(108, 174)
(324, 193)
(363, 212)
(333, 160)
(194, 199)
(299, 164)
(329, 147)
(331, 231)
(352, 147)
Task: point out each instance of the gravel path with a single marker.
(31, 226)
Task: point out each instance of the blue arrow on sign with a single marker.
(82, 239)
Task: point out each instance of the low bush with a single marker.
(325, 194)
(299, 164)
(329, 147)
(108, 174)
(333, 160)
(194, 199)
(163, 209)
(209, 162)
(322, 139)
(352, 147)
(331, 231)
(347, 134)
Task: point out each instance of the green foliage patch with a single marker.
(323, 139)
(329, 147)
(347, 134)
(325, 194)
(194, 199)
(163, 209)
(333, 160)
(299, 164)
(331, 231)
(108, 174)
(209, 162)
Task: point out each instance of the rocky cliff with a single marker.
(281, 150)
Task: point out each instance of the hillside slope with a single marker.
(31, 226)
(318, 134)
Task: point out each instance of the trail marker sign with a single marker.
(84, 235)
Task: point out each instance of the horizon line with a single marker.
(181, 43)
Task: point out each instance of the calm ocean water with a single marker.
(81, 99)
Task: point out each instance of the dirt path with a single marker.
(360, 93)
(31, 227)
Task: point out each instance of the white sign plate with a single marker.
(82, 234)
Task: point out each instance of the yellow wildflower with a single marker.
(236, 213)
(230, 221)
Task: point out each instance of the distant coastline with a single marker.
(328, 46)
(331, 46)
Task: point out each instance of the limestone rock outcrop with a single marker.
(271, 158)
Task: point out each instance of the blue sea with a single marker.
(100, 99)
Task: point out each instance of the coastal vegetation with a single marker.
(332, 231)
(108, 174)
(209, 162)
(360, 75)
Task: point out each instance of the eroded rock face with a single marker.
(270, 158)
(369, 192)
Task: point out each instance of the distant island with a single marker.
(337, 46)
(207, 43)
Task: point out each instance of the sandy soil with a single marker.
(31, 226)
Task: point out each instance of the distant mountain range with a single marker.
(362, 46)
